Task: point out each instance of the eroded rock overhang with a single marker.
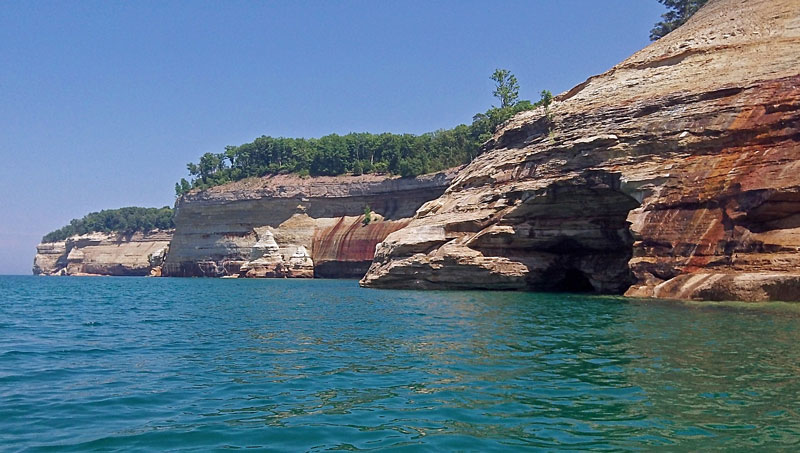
(674, 174)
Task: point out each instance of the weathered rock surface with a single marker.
(286, 226)
(157, 258)
(676, 174)
(118, 254)
(266, 260)
(346, 248)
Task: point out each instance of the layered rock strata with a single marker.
(676, 174)
(266, 260)
(135, 254)
(287, 226)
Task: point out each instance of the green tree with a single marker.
(546, 100)
(679, 11)
(367, 215)
(506, 87)
(122, 220)
(399, 154)
(182, 187)
(210, 163)
(358, 169)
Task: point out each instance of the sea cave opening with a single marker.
(575, 237)
(574, 281)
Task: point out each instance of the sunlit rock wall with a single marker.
(102, 254)
(675, 174)
(217, 229)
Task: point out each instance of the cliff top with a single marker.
(293, 186)
(115, 236)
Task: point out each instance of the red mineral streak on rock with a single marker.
(217, 229)
(346, 249)
(675, 174)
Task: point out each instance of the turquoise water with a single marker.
(100, 364)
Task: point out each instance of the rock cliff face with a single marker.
(286, 226)
(676, 174)
(103, 254)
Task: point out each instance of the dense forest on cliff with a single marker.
(356, 153)
(359, 153)
(123, 220)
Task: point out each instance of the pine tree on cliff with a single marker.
(507, 88)
(679, 12)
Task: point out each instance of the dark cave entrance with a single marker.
(573, 281)
(574, 236)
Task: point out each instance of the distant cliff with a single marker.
(287, 226)
(676, 174)
(119, 254)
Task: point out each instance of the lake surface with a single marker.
(136, 364)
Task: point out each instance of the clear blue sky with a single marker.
(103, 103)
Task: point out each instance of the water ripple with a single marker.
(198, 365)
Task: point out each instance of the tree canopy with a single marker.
(357, 153)
(506, 87)
(123, 220)
(679, 11)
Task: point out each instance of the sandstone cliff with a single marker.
(133, 254)
(675, 174)
(286, 226)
